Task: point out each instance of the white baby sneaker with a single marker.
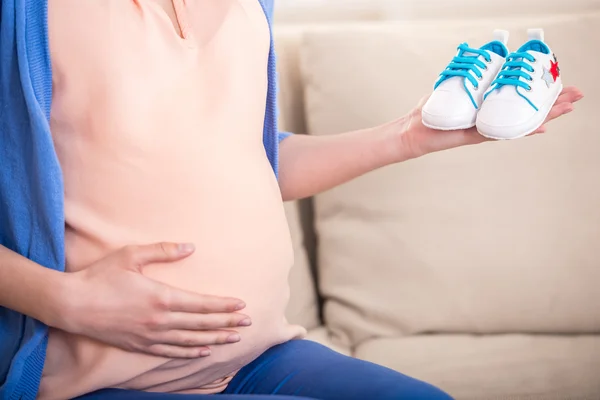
(458, 93)
(524, 92)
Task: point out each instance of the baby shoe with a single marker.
(458, 93)
(524, 92)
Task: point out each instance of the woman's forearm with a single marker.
(312, 164)
(309, 165)
(29, 288)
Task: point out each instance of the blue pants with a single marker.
(303, 370)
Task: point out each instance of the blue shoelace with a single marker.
(466, 66)
(515, 68)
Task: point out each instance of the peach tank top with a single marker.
(157, 119)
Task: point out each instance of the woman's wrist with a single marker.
(398, 149)
(53, 299)
(32, 289)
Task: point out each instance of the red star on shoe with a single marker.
(554, 70)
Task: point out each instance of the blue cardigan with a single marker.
(31, 188)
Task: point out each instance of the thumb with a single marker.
(140, 256)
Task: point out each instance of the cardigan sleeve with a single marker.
(269, 4)
(269, 8)
(283, 135)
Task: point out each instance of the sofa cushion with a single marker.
(501, 237)
(413, 9)
(322, 336)
(291, 94)
(496, 367)
(319, 11)
(303, 308)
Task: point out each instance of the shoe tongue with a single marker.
(501, 36)
(535, 34)
(536, 42)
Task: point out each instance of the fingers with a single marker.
(541, 129)
(157, 253)
(563, 105)
(168, 351)
(196, 322)
(190, 302)
(197, 339)
(570, 94)
(558, 110)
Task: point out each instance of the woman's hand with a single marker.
(417, 140)
(113, 302)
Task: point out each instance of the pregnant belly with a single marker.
(243, 249)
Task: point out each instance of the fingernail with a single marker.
(240, 306)
(245, 322)
(186, 248)
(234, 338)
(205, 353)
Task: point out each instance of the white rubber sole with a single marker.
(524, 129)
(425, 117)
(445, 128)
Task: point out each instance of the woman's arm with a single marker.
(312, 164)
(30, 289)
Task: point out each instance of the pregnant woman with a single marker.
(144, 249)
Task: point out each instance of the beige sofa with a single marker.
(476, 269)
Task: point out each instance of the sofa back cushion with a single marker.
(303, 307)
(459, 9)
(499, 237)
